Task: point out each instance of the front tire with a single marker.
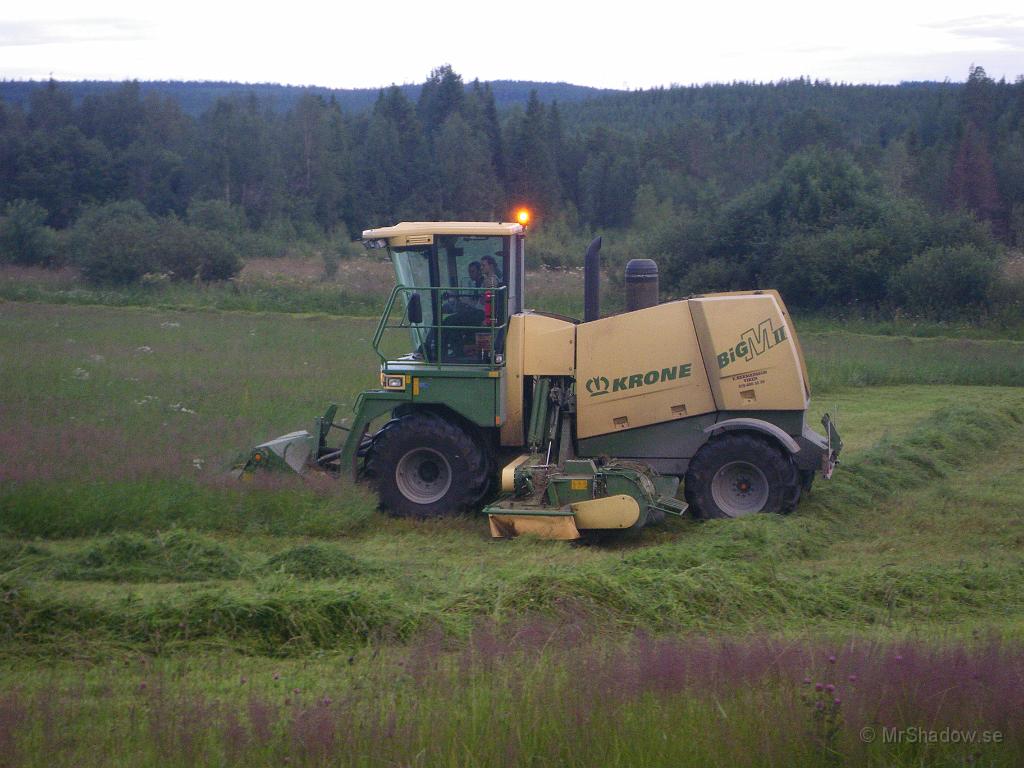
(424, 466)
(736, 475)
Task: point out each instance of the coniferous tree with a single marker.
(443, 94)
(972, 183)
(469, 187)
(532, 178)
(483, 113)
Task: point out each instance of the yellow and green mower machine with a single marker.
(563, 428)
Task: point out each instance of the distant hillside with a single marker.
(196, 97)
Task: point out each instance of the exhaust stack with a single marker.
(641, 284)
(592, 282)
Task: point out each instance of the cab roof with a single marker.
(421, 232)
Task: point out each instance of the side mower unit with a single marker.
(559, 502)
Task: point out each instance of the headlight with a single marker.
(394, 382)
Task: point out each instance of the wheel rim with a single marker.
(423, 476)
(739, 488)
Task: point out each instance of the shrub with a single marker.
(111, 243)
(839, 267)
(945, 282)
(24, 237)
(217, 216)
(120, 243)
(332, 261)
(188, 253)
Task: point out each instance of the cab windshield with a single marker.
(462, 288)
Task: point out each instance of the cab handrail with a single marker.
(435, 331)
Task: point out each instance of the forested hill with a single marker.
(195, 98)
(839, 194)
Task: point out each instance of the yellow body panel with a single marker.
(639, 368)
(550, 346)
(536, 345)
(785, 314)
(619, 511)
(512, 431)
(508, 474)
(752, 359)
(796, 343)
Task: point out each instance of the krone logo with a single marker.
(601, 385)
(598, 385)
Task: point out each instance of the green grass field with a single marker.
(129, 565)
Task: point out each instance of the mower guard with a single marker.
(291, 451)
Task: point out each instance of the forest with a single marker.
(861, 199)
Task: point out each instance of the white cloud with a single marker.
(639, 44)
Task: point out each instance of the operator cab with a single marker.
(458, 283)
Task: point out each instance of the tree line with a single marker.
(841, 194)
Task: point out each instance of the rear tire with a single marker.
(424, 466)
(736, 475)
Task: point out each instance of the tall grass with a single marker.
(230, 296)
(359, 287)
(544, 694)
(277, 505)
(840, 359)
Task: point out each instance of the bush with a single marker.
(332, 261)
(188, 253)
(217, 216)
(112, 243)
(120, 243)
(840, 267)
(946, 282)
(24, 237)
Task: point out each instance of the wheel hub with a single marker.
(739, 488)
(429, 471)
(423, 475)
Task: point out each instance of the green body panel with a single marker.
(791, 422)
(370, 405)
(470, 391)
(560, 490)
(679, 438)
(474, 398)
(669, 446)
(538, 413)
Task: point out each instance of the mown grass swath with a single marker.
(762, 572)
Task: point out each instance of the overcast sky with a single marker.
(629, 44)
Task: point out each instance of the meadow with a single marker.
(155, 613)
